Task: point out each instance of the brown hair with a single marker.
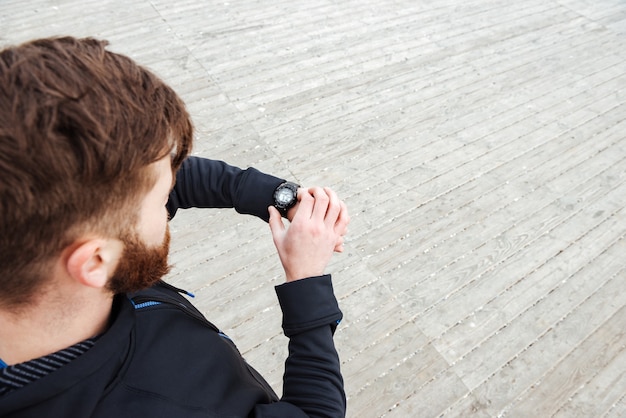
(79, 127)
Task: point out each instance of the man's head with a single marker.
(85, 139)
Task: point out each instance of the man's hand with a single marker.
(291, 213)
(316, 230)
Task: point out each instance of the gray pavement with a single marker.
(480, 148)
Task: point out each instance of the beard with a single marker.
(140, 266)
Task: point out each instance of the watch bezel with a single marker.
(293, 187)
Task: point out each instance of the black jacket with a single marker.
(203, 183)
(161, 358)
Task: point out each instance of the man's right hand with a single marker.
(315, 232)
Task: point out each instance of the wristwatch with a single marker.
(286, 196)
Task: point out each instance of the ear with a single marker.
(93, 262)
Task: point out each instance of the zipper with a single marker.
(140, 302)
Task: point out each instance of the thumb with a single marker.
(276, 220)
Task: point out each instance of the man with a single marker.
(90, 146)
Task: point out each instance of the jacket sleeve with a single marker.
(204, 183)
(312, 383)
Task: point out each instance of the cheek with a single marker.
(153, 225)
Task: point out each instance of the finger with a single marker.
(294, 209)
(339, 247)
(305, 207)
(276, 221)
(341, 226)
(334, 207)
(291, 213)
(321, 203)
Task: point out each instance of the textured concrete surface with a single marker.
(480, 147)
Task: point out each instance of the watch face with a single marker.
(284, 196)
